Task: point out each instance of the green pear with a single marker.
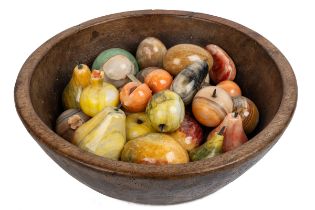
(165, 111)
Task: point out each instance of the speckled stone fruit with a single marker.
(154, 148)
(188, 81)
(223, 66)
(180, 56)
(189, 134)
(165, 111)
(150, 53)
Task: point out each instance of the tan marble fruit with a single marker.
(180, 56)
(154, 148)
(248, 111)
(150, 53)
(210, 105)
(68, 121)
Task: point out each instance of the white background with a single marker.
(283, 179)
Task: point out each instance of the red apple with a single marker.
(189, 134)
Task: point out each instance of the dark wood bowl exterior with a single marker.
(263, 73)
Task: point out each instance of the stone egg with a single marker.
(150, 53)
(180, 56)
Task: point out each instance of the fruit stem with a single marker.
(133, 78)
(161, 127)
(214, 94)
(221, 131)
(96, 74)
(75, 121)
(132, 89)
(97, 77)
(80, 66)
(139, 121)
(119, 106)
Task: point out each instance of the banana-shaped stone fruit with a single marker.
(104, 134)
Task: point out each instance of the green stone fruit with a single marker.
(104, 56)
(116, 64)
(165, 111)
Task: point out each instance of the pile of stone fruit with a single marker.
(161, 113)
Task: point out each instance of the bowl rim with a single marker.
(263, 141)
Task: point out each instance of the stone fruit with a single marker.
(165, 111)
(135, 96)
(230, 87)
(150, 53)
(98, 95)
(143, 73)
(189, 80)
(180, 56)
(210, 105)
(104, 134)
(189, 134)
(68, 121)
(158, 80)
(248, 111)
(116, 64)
(154, 148)
(137, 124)
(234, 135)
(72, 92)
(210, 148)
(223, 66)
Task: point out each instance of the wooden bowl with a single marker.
(263, 73)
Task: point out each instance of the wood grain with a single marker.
(263, 74)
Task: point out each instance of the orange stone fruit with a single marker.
(230, 87)
(134, 96)
(210, 105)
(158, 80)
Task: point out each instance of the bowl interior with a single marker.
(257, 73)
